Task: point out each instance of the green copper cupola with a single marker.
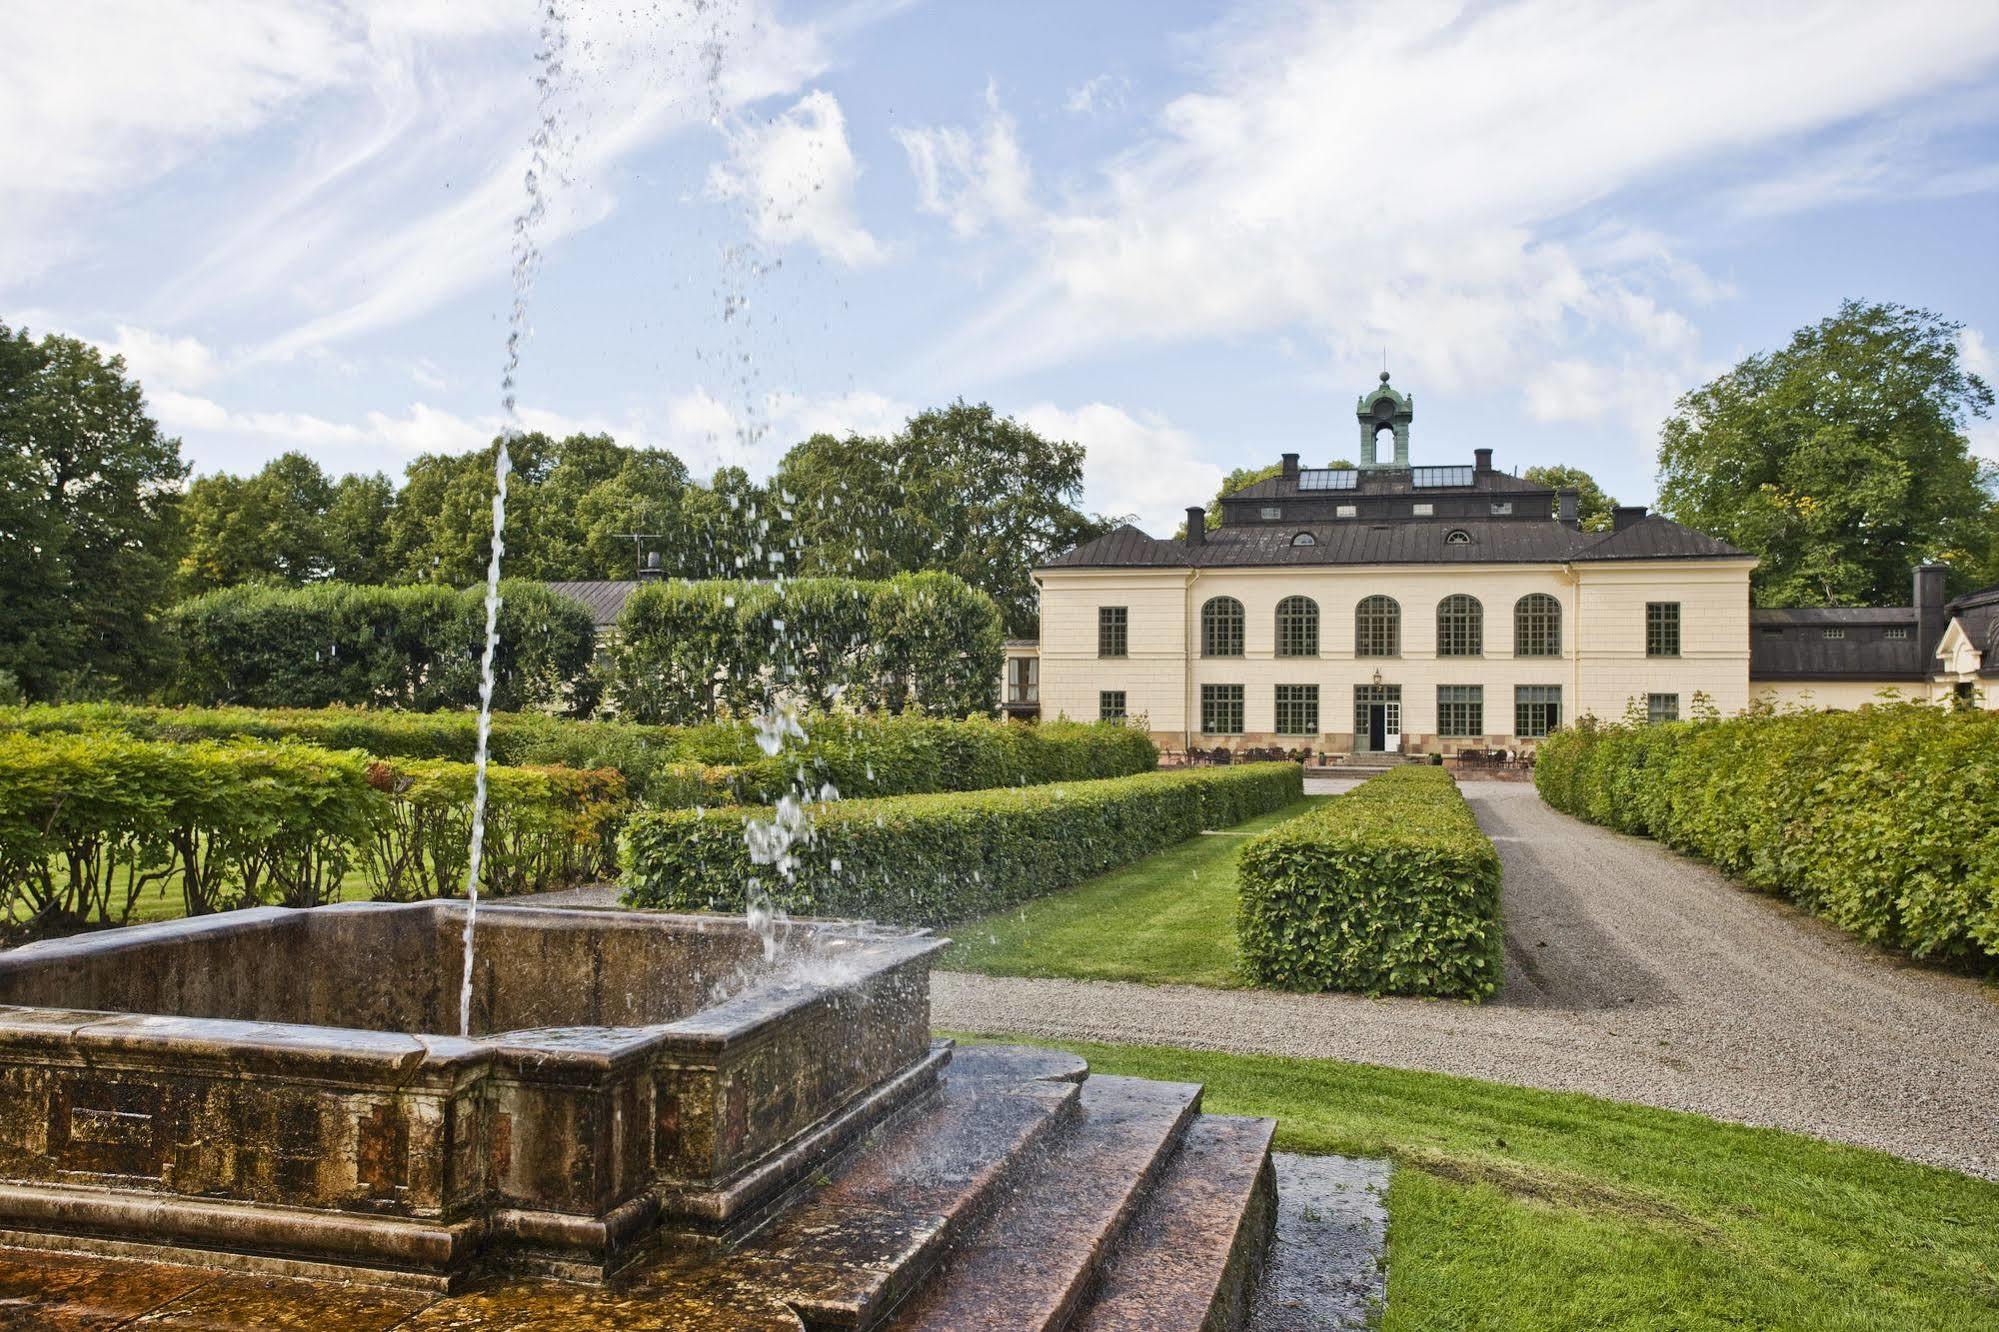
(1385, 409)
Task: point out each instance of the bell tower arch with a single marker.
(1385, 411)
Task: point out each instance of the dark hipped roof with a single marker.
(604, 600)
(1824, 615)
(1405, 541)
(1802, 653)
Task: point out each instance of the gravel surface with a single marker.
(1631, 973)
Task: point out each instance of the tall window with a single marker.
(1111, 627)
(1297, 709)
(1110, 705)
(1662, 628)
(1537, 710)
(1460, 710)
(1221, 627)
(1221, 709)
(1377, 627)
(1460, 626)
(1662, 708)
(1297, 627)
(1537, 626)
(1023, 680)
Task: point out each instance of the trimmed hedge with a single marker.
(930, 859)
(1388, 889)
(1884, 820)
(690, 651)
(414, 647)
(718, 763)
(90, 821)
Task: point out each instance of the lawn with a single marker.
(1519, 1209)
(1169, 918)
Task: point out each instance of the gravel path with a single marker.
(1631, 973)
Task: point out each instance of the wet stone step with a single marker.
(1192, 1256)
(1031, 1263)
(1328, 1270)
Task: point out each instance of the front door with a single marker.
(1377, 717)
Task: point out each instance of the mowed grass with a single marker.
(1529, 1210)
(1169, 918)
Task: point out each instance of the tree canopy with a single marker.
(1841, 460)
(89, 519)
(1594, 506)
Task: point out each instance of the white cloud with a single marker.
(1976, 353)
(972, 182)
(1434, 177)
(1105, 93)
(162, 361)
(795, 174)
(1141, 465)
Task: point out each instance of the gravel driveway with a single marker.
(1630, 973)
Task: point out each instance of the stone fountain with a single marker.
(647, 1105)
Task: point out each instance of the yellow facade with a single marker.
(1603, 667)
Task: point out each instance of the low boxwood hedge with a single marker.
(717, 763)
(90, 821)
(930, 859)
(1884, 820)
(1389, 889)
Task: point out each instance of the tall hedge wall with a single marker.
(415, 647)
(935, 858)
(1388, 889)
(1884, 820)
(90, 821)
(717, 763)
(927, 641)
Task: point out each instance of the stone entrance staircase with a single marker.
(1023, 1194)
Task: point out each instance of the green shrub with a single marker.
(1884, 820)
(89, 821)
(415, 647)
(1389, 889)
(690, 651)
(716, 763)
(929, 859)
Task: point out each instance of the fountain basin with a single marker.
(283, 1088)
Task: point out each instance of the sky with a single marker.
(1185, 235)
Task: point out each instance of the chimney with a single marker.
(1290, 467)
(1930, 618)
(1482, 460)
(1197, 525)
(1569, 506)
(650, 568)
(1624, 515)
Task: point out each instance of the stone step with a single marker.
(1194, 1252)
(1032, 1263)
(859, 1240)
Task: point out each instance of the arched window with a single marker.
(1304, 539)
(1297, 627)
(1221, 628)
(1377, 627)
(1537, 626)
(1457, 536)
(1460, 626)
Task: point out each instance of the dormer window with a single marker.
(1345, 511)
(1500, 508)
(1273, 511)
(1457, 536)
(1423, 510)
(1304, 539)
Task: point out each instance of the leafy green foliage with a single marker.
(412, 647)
(959, 490)
(1883, 820)
(672, 766)
(1390, 889)
(934, 858)
(1593, 507)
(1842, 460)
(90, 820)
(89, 492)
(691, 651)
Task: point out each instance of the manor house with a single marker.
(1390, 607)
